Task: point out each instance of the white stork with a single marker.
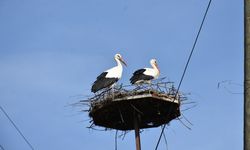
(109, 77)
(145, 75)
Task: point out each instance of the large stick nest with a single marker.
(154, 104)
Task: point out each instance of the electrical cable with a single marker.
(19, 131)
(186, 66)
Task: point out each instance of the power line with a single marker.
(186, 66)
(165, 139)
(19, 131)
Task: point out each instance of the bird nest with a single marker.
(154, 104)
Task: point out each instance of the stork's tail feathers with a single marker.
(95, 87)
(133, 79)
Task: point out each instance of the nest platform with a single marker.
(117, 110)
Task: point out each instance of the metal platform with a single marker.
(152, 109)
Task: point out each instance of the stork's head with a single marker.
(154, 64)
(119, 58)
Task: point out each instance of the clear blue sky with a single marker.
(52, 50)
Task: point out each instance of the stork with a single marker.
(109, 77)
(145, 75)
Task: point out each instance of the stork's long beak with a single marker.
(123, 62)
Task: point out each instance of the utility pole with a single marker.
(137, 131)
(247, 75)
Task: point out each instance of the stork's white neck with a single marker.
(119, 64)
(156, 69)
(118, 68)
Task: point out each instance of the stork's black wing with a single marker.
(103, 82)
(138, 76)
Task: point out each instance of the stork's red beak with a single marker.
(123, 62)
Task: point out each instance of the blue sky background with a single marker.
(52, 50)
